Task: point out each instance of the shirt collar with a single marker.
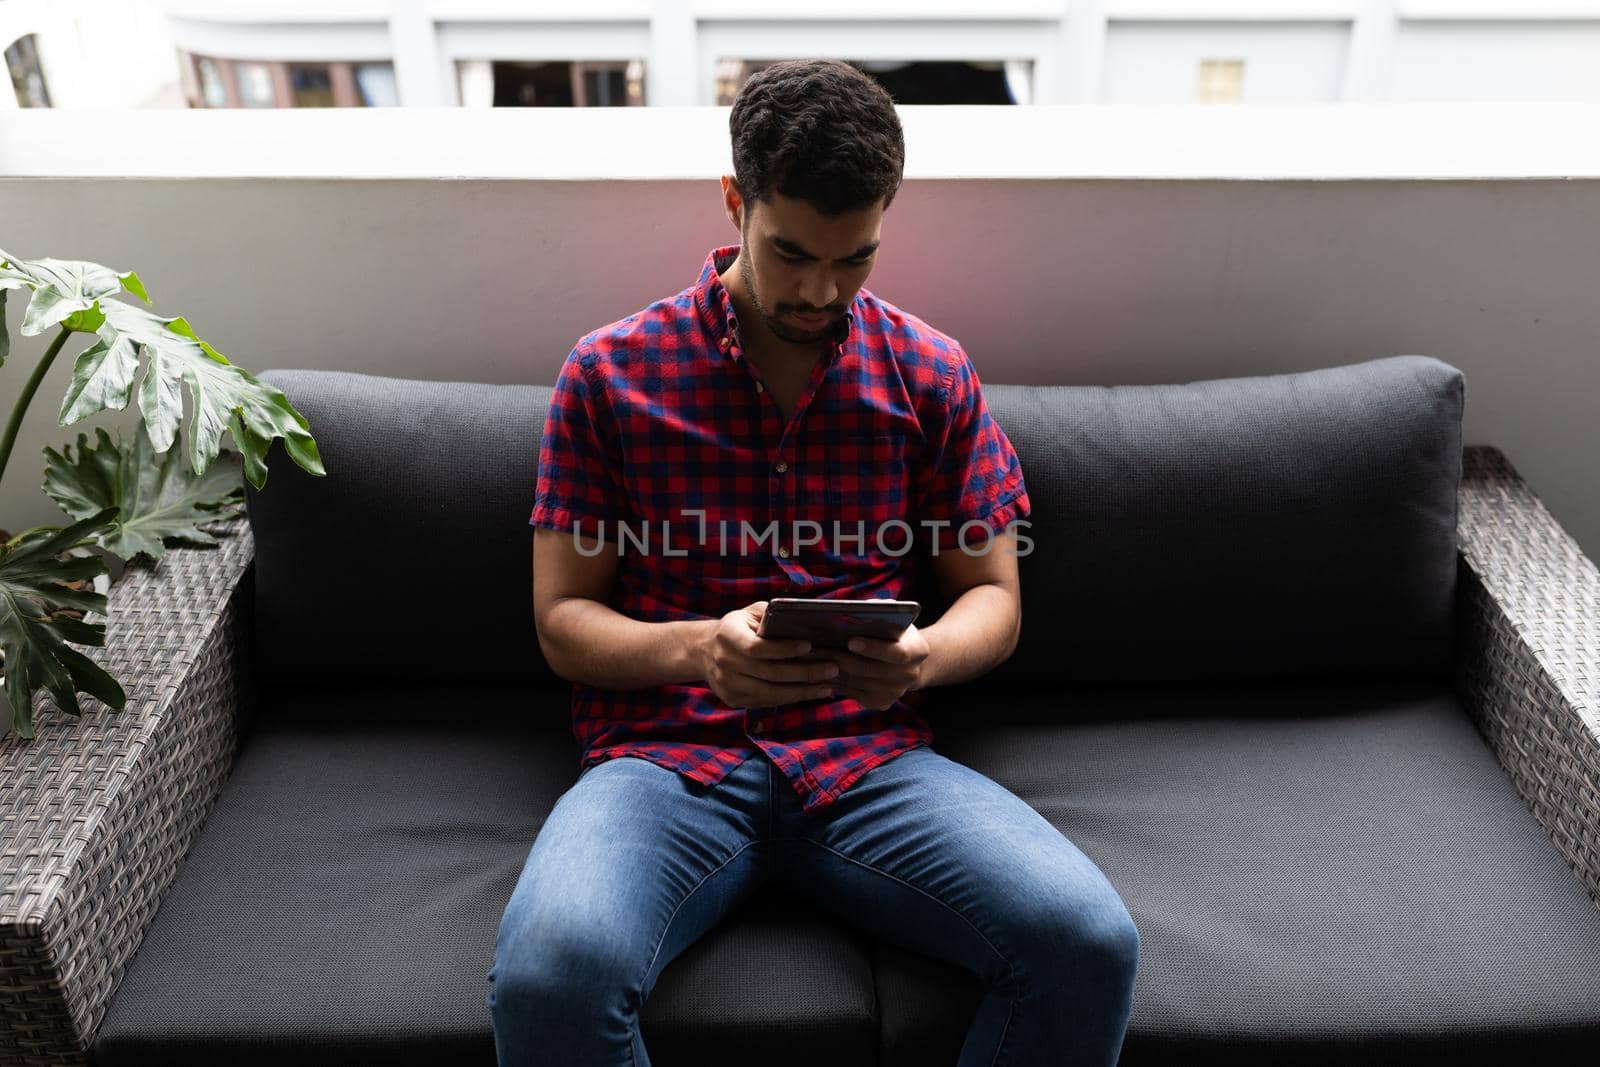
(716, 306)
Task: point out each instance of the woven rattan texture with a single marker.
(96, 813)
(1528, 654)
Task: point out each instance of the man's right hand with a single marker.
(747, 670)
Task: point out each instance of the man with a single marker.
(778, 391)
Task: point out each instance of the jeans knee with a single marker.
(1113, 940)
(565, 975)
(1096, 941)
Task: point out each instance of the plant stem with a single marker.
(15, 422)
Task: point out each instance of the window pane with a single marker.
(1221, 81)
(255, 84)
(27, 76)
(975, 81)
(519, 84)
(211, 87)
(375, 85)
(312, 85)
(941, 81)
(605, 87)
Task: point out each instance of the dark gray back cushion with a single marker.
(1296, 525)
(1271, 527)
(412, 558)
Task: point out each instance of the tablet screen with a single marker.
(831, 624)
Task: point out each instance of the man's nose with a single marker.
(819, 293)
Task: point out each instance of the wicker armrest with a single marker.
(1528, 662)
(99, 812)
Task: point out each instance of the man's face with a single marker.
(795, 261)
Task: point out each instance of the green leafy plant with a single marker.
(127, 500)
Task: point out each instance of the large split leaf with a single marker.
(64, 287)
(158, 497)
(222, 395)
(34, 629)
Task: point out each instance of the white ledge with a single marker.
(1283, 142)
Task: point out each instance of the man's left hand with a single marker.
(877, 672)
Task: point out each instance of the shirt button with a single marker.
(783, 552)
(760, 388)
(782, 466)
(724, 343)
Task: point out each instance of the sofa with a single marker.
(1317, 687)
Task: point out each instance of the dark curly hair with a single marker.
(817, 130)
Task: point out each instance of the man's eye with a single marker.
(801, 259)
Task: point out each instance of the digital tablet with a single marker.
(830, 623)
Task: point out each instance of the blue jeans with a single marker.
(636, 862)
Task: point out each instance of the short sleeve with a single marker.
(973, 473)
(580, 472)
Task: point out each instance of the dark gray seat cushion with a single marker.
(341, 903)
(1328, 875)
(1316, 873)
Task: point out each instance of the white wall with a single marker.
(1157, 62)
(1099, 267)
(1553, 60)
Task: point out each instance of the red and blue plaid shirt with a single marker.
(657, 426)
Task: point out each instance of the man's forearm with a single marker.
(977, 633)
(587, 641)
